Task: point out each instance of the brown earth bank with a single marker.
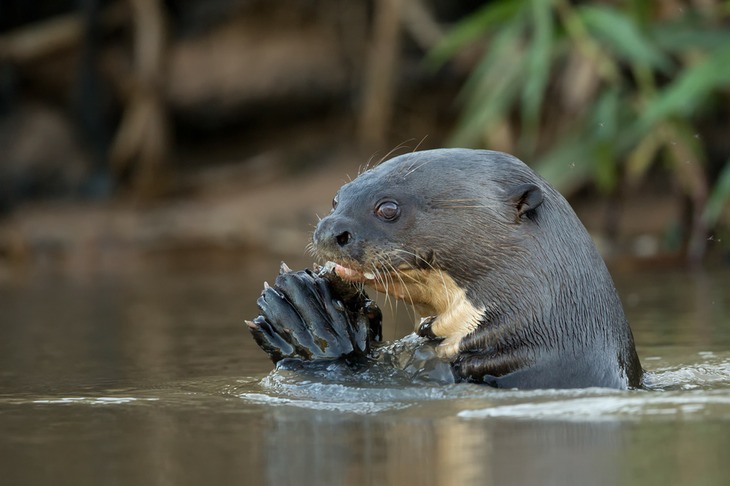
(243, 117)
(233, 212)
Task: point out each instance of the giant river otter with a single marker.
(509, 285)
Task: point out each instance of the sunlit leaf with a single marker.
(502, 52)
(689, 89)
(538, 64)
(605, 166)
(475, 26)
(685, 34)
(492, 89)
(641, 157)
(496, 106)
(641, 10)
(622, 35)
(645, 107)
(719, 197)
(569, 165)
(605, 129)
(605, 114)
(686, 158)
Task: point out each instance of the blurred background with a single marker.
(159, 158)
(138, 128)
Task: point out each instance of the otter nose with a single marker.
(332, 232)
(343, 238)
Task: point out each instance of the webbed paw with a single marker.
(312, 316)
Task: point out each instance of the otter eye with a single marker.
(334, 202)
(388, 210)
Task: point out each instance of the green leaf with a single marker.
(501, 53)
(491, 90)
(568, 165)
(492, 16)
(605, 115)
(641, 10)
(606, 173)
(688, 34)
(641, 157)
(689, 90)
(719, 197)
(604, 129)
(538, 64)
(485, 111)
(622, 35)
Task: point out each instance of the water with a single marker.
(150, 377)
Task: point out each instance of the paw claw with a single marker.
(425, 327)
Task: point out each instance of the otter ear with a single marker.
(526, 197)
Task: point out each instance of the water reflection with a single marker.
(402, 450)
(139, 378)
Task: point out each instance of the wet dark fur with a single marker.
(552, 316)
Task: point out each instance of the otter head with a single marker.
(430, 228)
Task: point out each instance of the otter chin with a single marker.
(496, 262)
(444, 309)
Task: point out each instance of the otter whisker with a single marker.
(458, 200)
(405, 287)
(409, 310)
(463, 207)
(485, 197)
(367, 164)
(449, 296)
(381, 279)
(419, 143)
(430, 265)
(389, 276)
(401, 145)
(417, 257)
(388, 285)
(414, 168)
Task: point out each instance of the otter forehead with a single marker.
(461, 162)
(437, 174)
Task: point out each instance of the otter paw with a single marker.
(302, 318)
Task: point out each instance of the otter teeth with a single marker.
(369, 275)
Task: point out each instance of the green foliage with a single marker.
(719, 196)
(596, 92)
(689, 89)
(622, 36)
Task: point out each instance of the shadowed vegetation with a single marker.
(603, 94)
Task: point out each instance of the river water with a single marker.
(150, 377)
